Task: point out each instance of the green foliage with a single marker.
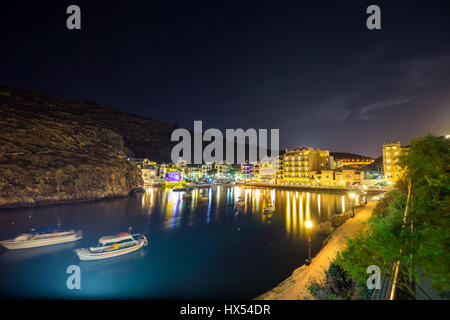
(428, 167)
(381, 209)
(421, 242)
(337, 286)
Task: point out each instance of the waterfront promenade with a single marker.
(296, 286)
(315, 188)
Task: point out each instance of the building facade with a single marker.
(268, 168)
(391, 166)
(247, 171)
(299, 164)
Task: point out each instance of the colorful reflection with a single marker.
(291, 208)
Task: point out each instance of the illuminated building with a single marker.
(207, 167)
(350, 160)
(256, 171)
(222, 169)
(268, 168)
(194, 173)
(391, 156)
(326, 178)
(298, 164)
(150, 175)
(301, 164)
(348, 177)
(173, 176)
(280, 170)
(247, 171)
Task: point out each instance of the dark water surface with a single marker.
(202, 247)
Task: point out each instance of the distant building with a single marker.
(280, 169)
(247, 171)
(391, 166)
(350, 160)
(348, 177)
(268, 168)
(194, 173)
(256, 171)
(207, 167)
(327, 178)
(223, 168)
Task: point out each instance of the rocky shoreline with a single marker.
(51, 153)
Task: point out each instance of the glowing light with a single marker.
(308, 204)
(308, 224)
(352, 195)
(318, 204)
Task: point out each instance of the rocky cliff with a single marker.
(54, 150)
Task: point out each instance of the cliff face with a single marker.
(54, 149)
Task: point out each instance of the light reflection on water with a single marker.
(204, 243)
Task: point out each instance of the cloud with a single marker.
(333, 109)
(421, 72)
(368, 112)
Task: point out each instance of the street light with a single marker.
(308, 225)
(353, 196)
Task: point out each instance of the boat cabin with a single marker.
(117, 239)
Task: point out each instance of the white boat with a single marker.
(113, 246)
(41, 238)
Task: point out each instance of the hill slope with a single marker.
(54, 149)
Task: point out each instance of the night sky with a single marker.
(310, 68)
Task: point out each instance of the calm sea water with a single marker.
(202, 247)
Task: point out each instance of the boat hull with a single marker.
(86, 254)
(14, 245)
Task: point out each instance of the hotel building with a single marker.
(301, 164)
(391, 156)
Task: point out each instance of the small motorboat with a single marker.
(139, 190)
(113, 246)
(42, 237)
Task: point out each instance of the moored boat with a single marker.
(42, 237)
(113, 246)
